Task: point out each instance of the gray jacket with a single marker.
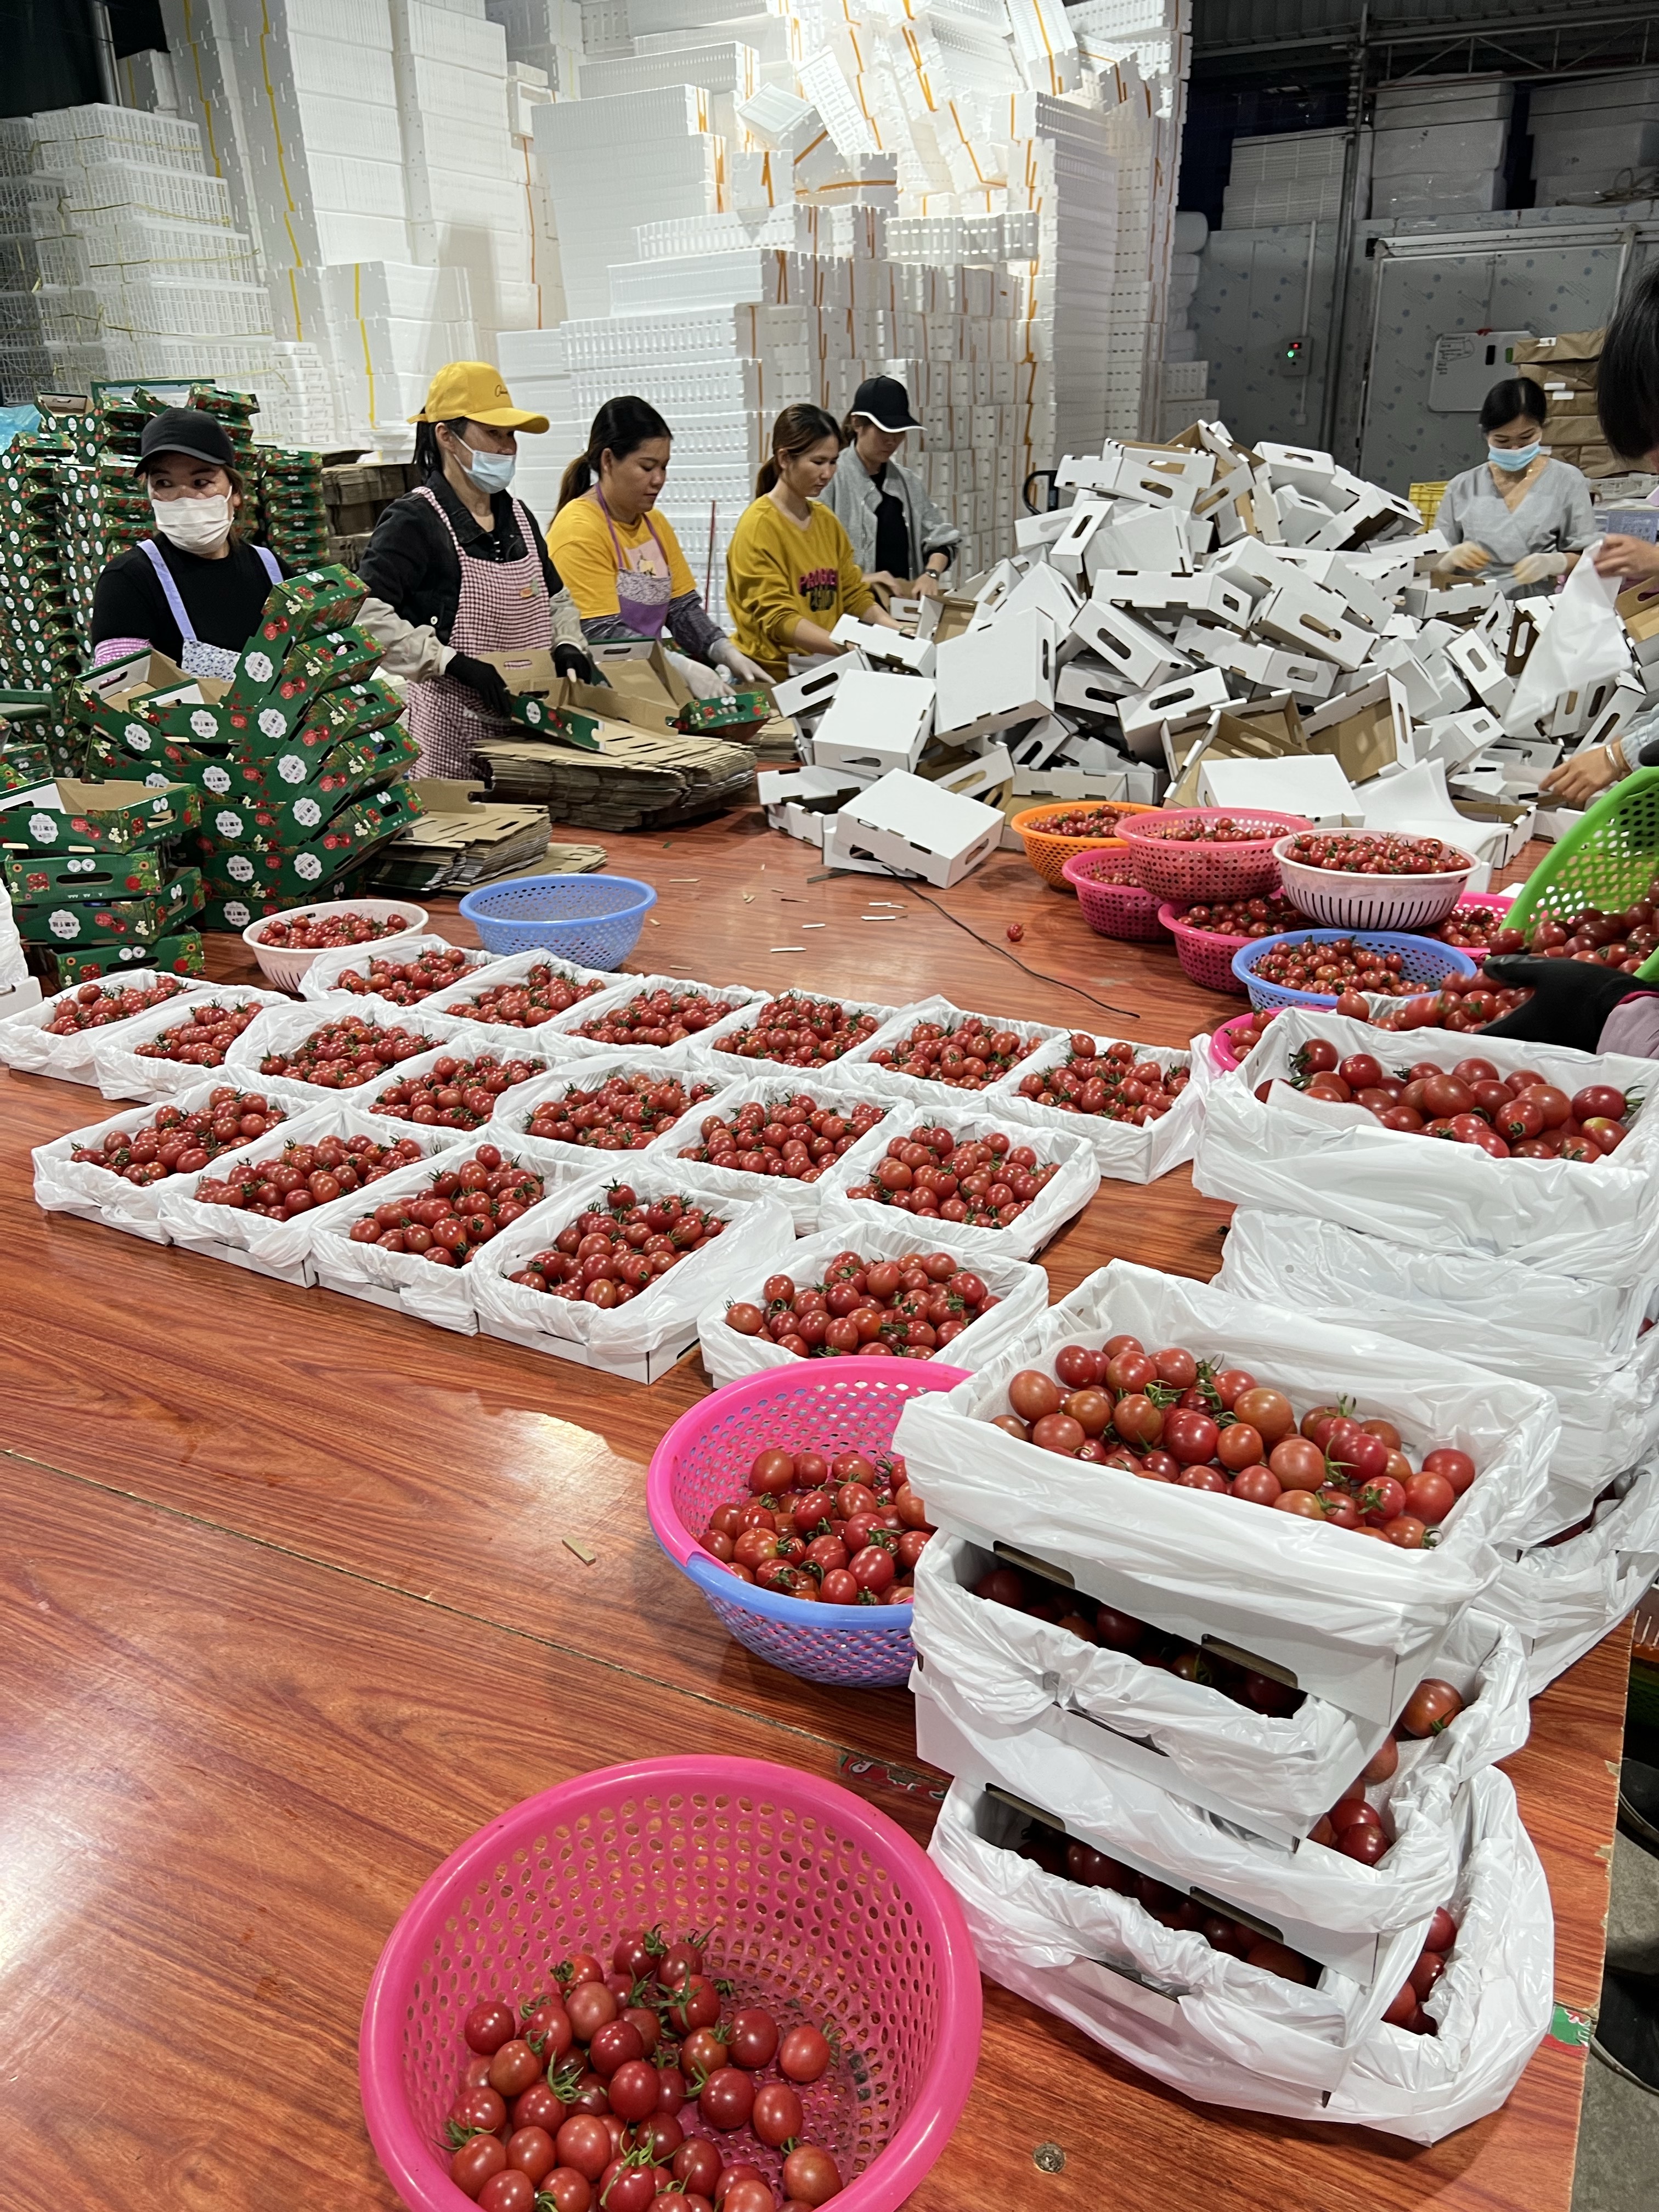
(853, 496)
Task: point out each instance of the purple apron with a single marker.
(641, 601)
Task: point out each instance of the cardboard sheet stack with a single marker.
(1568, 365)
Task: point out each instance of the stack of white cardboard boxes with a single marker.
(1439, 149)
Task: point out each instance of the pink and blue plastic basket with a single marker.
(836, 1405)
(821, 1908)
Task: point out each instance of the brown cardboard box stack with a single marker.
(1567, 366)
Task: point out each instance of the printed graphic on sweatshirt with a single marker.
(819, 588)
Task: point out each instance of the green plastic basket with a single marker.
(1607, 861)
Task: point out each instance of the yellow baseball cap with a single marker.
(475, 390)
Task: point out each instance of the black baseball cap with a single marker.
(884, 401)
(185, 430)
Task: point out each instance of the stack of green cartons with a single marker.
(90, 874)
(234, 412)
(292, 514)
(296, 758)
(36, 620)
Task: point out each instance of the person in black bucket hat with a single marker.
(196, 587)
(899, 536)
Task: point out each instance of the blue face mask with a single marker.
(492, 472)
(1522, 459)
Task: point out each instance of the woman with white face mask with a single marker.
(457, 569)
(1520, 519)
(196, 589)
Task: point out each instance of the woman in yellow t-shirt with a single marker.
(622, 564)
(790, 571)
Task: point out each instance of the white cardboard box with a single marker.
(1310, 784)
(875, 722)
(908, 826)
(989, 679)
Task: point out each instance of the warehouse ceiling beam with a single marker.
(1625, 34)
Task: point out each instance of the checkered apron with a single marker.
(503, 606)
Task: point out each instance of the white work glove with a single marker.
(736, 667)
(1466, 560)
(1533, 568)
(702, 682)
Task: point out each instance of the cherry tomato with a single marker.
(1456, 1466)
(1443, 1931)
(698, 2164)
(1269, 1413)
(803, 2055)
(590, 2004)
(513, 2068)
(633, 2088)
(1297, 1464)
(486, 2027)
(479, 2159)
(810, 2175)
(1432, 1706)
(530, 2150)
(778, 2114)
(510, 2190)
(752, 2037)
(1431, 1498)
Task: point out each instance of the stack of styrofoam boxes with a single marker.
(1089, 324)
(49, 338)
(1185, 387)
(1595, 138)
(535, 366)
(727, 72)
(408, 321)
(176, 286)
(1293, 177)
(1438, 149)
(774, 38)
(545, 35)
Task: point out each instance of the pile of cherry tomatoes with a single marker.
(1521, 1116)
(1110, 1085)
(344, 1053)
(624, 1114)
(841, 1529)
(1461, 1002)
(613, 2089)
(469, 1202)
(173, 1142)
(458, 1094)
(203, 1038)
(656, 1017)
(911, 1307)
(307, 1175)
(534, 999)
(801, 1032)
(1624, 940)
(1222, 831)
(318, 933)
(1170, 1417)
(1078, 821)
(984, 1182)
(606, 1258)
(1471, 928)
(1373, 853)
(406, 982)
(793, 1137)
(1332, 965)
(974, 1053)
(1251, 917)
(94, 1005)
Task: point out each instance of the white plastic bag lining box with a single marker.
(1294, 1155)
(1350, 1621)
(1020, 1288)
(282, 1248)
(904, 825)
(26, 1043)
(644, 1337)
(282, 1027)
(64, 1185)
(1273, 1776)
(988, 679)
(803, 1199)
(509, 1126)
(950, 1018)
(513, 968)
(1101, 1963)
(119, 1072)
(1564, 1598)
(321, 979)
(1511, 1316)
(1124, 1151)
(557, 1041)
(718, 1054)
(876, 722)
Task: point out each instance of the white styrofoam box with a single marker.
(1065, 1193)
(810, 693)
(1301, 614)
(1019, 1288)
(1139, 656)
(65, 1185)
(1126, 1153)
(119, 1071)
(643, 1339)
(1182, 703)
(24, 1042)
(1353, 1623)
(904, 825)
(876, 722)
(282, 1248)
(1310, 784)
(910, 656)
(989, 679)
(1297, 1155)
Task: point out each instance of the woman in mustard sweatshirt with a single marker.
(790, 571)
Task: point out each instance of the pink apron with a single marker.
(503, 606)
(641, 601)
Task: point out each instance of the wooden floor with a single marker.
(290, 1608)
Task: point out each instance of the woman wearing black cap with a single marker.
(196, 589)
(899, 536)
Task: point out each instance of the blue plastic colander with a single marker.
(1423, 962)
(594, 920)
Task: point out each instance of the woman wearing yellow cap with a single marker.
(457, 569)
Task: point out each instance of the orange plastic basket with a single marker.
(1048, 853)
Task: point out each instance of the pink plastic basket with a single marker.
(839, 1404)
(1488, 899)
(1204, 954)
(1224, 1042)
(1113, 903)
(1187, 874)
(773, 1861)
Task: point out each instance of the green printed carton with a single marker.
(22, 767)
(136, 921)
(115, 817)
(313, 667)
(291, 876)
(179, 955)
(276, 813)
(83, 874)
(320, 599)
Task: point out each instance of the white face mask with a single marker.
(195, 525)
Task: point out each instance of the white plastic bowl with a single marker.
(284, 966)
(1337, 899)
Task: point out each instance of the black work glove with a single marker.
(487, 682)
(1570, 998)
(569, 660)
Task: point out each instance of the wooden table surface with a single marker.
(288, 1607)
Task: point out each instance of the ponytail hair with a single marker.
(621, 428)
(797, 430)
(429, 459)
